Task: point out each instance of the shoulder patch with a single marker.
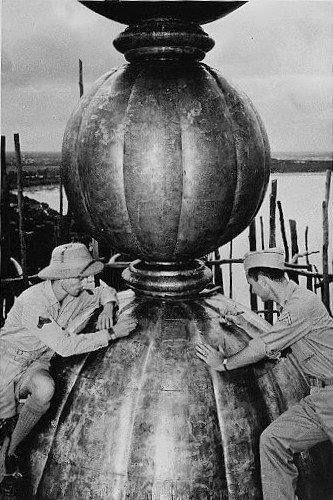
(43, 321)
(285, 318)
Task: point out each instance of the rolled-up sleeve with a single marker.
(107, 294)
(38, 322)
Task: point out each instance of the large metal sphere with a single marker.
(146, 419)
(166, 161)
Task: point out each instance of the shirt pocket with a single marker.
(10, 367)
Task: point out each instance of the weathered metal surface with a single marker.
(146, 418)
(168, 280)
(165, 161)
(164, 39)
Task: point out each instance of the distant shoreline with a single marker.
(41, 169)
(299, 166)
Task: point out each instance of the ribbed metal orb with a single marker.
(146, 419)
(165, 160)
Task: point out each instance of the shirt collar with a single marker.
(289, 291)
(50, 293)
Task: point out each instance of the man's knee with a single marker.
(273, 442)
(266, 440)
(41, 386)
(271, 439)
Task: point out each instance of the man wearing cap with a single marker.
(305, 326)
(45, 319)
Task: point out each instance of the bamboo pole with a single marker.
(318, 283)
(313, 275)
(328, 185)
(283, 231)
(211, 263)
(4, 216)
(230, 271)
(81, 77)
(218, 278)
(272, 211)
(20, 208)
(222, 283)
(61, 210)
(294, 246)
(309, 281)
(4, 231)
(123, 265)
(325, 288)
(294, 240)
(325, 291)
(293, 266)
(252, 236)
(269, 306)
(253, 246)
(262, 233)
(306, 238)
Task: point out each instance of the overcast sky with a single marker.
(278, 52)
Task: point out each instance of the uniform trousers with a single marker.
(302, 426)
(16, 368)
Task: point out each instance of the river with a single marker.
(301, 196)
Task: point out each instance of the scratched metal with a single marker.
(146, 419)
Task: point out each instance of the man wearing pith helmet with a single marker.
(305, 326)
(45, 319)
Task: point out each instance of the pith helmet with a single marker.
(271, 257)
(71, 261)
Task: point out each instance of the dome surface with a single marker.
(145, 418)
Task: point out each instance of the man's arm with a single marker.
(253, 352)
(105, 319)
(289, 328)
(39, 323)
(109, 300)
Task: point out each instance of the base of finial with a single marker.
(167, 280)
(163, 39)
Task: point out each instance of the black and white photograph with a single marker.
(166, 326)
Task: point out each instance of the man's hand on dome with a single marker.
(123, 327)
(230, 315)
(105, 319)
(212, 357)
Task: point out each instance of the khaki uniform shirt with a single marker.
(37, 320)
(305, 326)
